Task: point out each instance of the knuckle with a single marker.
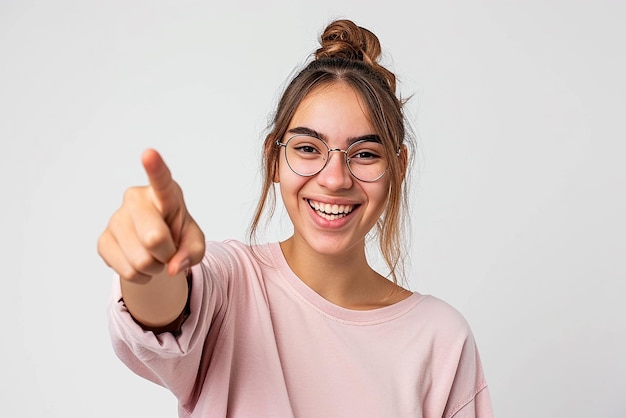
(200, 247)
(132, 194)
(129, 194)
(102, 244)
(104, 247)
(197, 249)
(154, 238)
(129, 273)
(118, 219)
(147, 265)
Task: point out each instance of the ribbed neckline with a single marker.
(336, 312)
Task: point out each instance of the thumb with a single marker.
(190, 249)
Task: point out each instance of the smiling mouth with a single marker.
(330, 212)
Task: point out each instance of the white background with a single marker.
(518, 191)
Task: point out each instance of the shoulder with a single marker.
(233, 252)
(443, 326)
(232, 262)
(438, 312)
(228, 248)
(459, 367)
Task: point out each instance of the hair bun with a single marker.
(343, 39)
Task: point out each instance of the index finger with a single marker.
(158, 173)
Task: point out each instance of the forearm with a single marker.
(157, 302)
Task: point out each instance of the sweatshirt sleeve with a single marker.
(478, 406)
(469, 394)
(176, 361)
(458, 387)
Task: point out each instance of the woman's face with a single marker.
(336, 114)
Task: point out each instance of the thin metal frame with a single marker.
(347, 159)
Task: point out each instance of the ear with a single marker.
(270, 152)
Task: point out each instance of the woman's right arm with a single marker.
(150, 241)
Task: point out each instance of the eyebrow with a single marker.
(303, 130)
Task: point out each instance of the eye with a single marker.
(306, 149)
(365, 155)
(367, 152)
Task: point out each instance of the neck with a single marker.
(344, 279)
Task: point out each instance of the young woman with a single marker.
(304, 327)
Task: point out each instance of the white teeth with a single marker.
(331, 212)
(331, 217)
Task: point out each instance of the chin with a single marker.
(334, 246)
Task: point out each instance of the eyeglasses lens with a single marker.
(308, 155)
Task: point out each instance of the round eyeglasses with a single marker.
(307, 155)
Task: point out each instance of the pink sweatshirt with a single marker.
(260, 343)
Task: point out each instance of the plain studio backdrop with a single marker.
(518, 190)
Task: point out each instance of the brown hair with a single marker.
(349, 54)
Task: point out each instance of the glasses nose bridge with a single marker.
(344, 151)
(345, 157)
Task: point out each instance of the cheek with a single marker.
(289, 182)
(379, 196)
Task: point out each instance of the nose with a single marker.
(335, 175)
